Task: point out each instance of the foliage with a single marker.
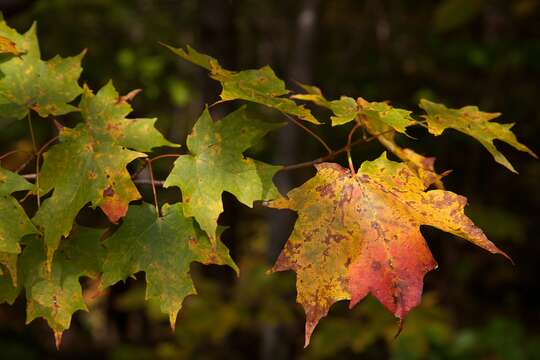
(357, 231)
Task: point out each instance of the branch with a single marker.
(332, 155)
(310, 132)
(136, 181)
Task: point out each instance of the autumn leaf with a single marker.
(424, 167)
(57, 295)
(89, 164)
(261, 86)
(345, 109)
(164, 248)
(360, 234)
(381, 112)
(216, 164)
(8, 47)
(14, 223)
(8, 278)
(29, 83)
(473, 122)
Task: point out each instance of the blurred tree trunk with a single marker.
(287, 152)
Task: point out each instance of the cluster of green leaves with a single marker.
(357, 230)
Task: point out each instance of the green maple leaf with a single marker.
(261, 86)
(14, 223)
(29, 83)
(346, 109)
(89, 164)
(473, 122)
(8, 278)
(162, 247)
(216, 164)
(57, 295)
(383, 113)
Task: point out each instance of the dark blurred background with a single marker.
(460, 52)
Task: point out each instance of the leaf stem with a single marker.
(35, 151)
(349, 142)
(2, 157)
(330, 156)
(151, 175)
(310, 132)
(136, 173)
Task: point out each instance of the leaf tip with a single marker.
(172, 319)
(58, 339)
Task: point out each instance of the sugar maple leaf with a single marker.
(29, 83)
(346, 109)
(216, 164)
(14, 223)
(89, 164)
(361, 234)
(473, 122)
(164, 248)
(8, 278)
(57, 295)
(8, 47)
(261, 86)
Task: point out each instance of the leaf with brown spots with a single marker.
(360, 234)
(14, 223)
(261, 86)
(56, 294)
(473, 122)
(29, 83)
(89, 164)
(164, 248)
(216, 164)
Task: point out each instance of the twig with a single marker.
(136, 181)
(330, 156)
(136, 173)
(310, 132)
(11, 153)
(39, 152)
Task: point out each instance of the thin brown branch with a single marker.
(136, 173)
(12, 152)
(38, 153)
(330, 156)
(310, 132)
(136, 181)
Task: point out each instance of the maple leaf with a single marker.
(346, 109)
(14, 223)
(261, 86)
(381, 112)
(424, 167)
(29, 83)
(216, 164)
(473, 122)
(8, 278)
(361, 234)
(89, 164)
(57, 295)
(8, 47)
(162, 247)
